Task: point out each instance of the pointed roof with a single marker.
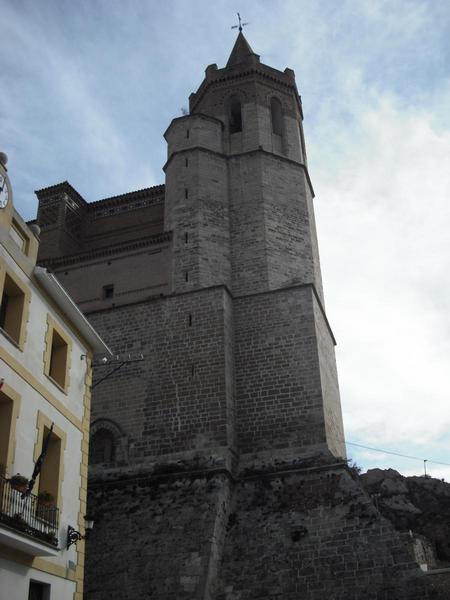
(241, 51)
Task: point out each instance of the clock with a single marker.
(4, 191)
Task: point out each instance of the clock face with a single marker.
(4, 192)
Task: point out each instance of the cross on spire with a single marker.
(241, 24)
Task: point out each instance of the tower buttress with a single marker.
(196, 206)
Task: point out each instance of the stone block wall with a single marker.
(279, 391)
(248, 251)
(181, 397)
(313, 535)
(251, 374)
(166, 541)
(334, 425)
(308, 534)
(192, 131)
(124, 225)
(135, 274)
(196, 205)
(292, 253)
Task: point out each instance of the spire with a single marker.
(241, 51)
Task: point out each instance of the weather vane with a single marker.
(241, 24)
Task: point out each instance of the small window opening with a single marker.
(108, 291)
(186, 162)
(186, 237)
(58, 359)
(187, 133)
(102, 447)
(49, 475)
(186, 276)
(277, 116)
(235, 115)
(193, 370)
(38, 591)
(11, 309)
(190, 320)
(186, 193)
(6, 415)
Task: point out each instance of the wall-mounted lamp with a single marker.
(73, 536)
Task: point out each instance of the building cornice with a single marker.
(157, 190)
(191, 116)
(246, 153)
(157, 238)
(227, 290)
(63, 187)
(117, 475)
(226, 75)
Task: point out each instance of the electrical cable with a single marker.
(428, 460)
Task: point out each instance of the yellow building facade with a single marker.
(46, 351)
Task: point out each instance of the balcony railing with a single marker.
(28, 515)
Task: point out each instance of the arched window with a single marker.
(277, 116)
(235, 115)
(102, 447)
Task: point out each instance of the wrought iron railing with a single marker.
(28, 514)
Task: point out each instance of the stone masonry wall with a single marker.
(292, 253)
(278, 387)
(309, 534)
(156, 538)
(178, 398)
(214, 366)
(313, 536)
(135, 275)
(334, 425)
(197, 206)
(248, 251)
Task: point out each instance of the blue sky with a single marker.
(89, 87)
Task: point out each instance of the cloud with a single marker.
(384, 218)
(55, 91)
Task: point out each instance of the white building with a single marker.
(46, 349)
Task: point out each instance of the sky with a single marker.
(89, 87)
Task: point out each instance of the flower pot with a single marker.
(19, 487)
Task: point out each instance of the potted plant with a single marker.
(19, 522)
(46, 499)
(19, 482)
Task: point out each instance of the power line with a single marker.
(424, 460)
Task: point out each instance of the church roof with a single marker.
(241, 51)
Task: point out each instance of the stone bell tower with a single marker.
(239, 202)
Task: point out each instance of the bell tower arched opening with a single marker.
(235, 115)
(276, 113)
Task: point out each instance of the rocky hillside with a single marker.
(419, 504)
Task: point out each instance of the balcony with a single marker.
(27, 524)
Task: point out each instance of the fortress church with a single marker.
(217, 462)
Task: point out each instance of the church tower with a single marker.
(239, 201)
(217, 463)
